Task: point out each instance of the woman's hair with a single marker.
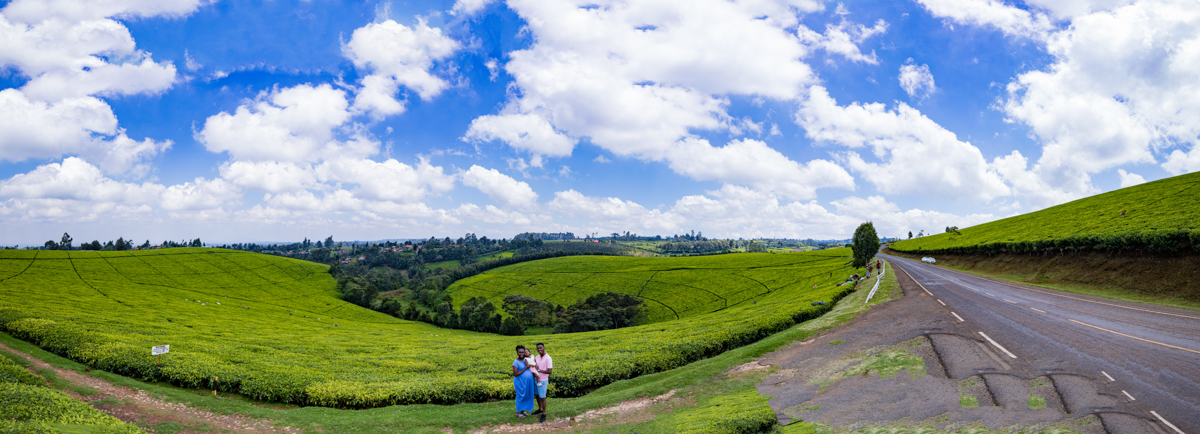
(520, 347)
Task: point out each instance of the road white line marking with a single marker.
(943, 304)
(1135, 337)
(1164, 421)
(997, 345)
(989, 294)
(1039, 310)
(1010, 301)
(1131, 398)
(915, 280)
(1010, 284)
(1110, 378)
(959, 317)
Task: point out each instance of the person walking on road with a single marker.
(523, 382)
(544, 365)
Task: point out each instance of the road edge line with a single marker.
(1164, 421)
(997, 345)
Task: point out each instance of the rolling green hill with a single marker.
(274, 329)
(673, 288)
(1161, 216)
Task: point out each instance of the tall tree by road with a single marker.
(866, 243)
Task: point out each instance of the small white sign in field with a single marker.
(159, 350)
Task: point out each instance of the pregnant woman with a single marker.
(523, 382)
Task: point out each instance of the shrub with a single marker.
(742, 412)
(274, 329)
(11, 372)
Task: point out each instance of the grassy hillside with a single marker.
(1159, 216)
(273, 329)
(673, 288)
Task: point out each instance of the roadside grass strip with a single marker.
(273, 329)
(884, 362)
(1036, 402)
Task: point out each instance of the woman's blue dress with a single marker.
(524, 384)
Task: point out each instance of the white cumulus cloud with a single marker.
(612, 212)
(76, 179)
(500, 187)
(1122, 90)
(294, 124)
(916, 80)
(199, 195)
(635, 77)
(916, 155)
(33, 11)
(522, 131)
(269, 176)
(469, 7)
(82, 126)
(1010, 20)
(389, 180)
(396, 55)
(76, 59)
(1130, 179)
(752, 162)
(843, 39)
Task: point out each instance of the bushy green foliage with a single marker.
(742, 412)
(10, 372)
(1155, 217)
(14, 427)
(603, 311)
(866, 243)
(274, 329)
(524, 308)
(23, 402)
(698, 246)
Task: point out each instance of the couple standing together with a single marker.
(531, 375)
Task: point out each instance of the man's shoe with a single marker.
(542, 418)
(537, 412)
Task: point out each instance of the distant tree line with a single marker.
(698, 246)
(66, 243)
(530, 236)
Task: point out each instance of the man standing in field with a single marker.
(544, 365)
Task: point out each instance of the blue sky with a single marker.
(278, 120)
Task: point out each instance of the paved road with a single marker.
(1146, 357)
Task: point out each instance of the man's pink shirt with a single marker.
(543, 363)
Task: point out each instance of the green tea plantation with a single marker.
(273, 329)
(1156, 217)
(673, 288)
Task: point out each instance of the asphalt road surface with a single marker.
(1144, 360)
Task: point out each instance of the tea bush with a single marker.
(273, 329)
(1156, 217)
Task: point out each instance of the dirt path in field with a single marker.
(137, 406)
(626, 412)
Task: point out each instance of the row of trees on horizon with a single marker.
(66, 243)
